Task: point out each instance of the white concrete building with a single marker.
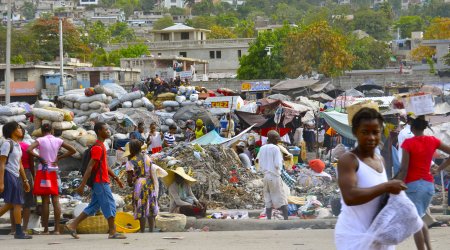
(171, 3)
(88, 2)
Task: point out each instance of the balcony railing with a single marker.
(195, 43)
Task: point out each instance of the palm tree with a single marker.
(189, 4)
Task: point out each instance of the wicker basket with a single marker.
(171, 222)
(93, 225)
(353, 109)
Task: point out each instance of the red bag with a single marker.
(46, 183)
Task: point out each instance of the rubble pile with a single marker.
(219, 173)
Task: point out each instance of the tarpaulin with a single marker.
(213, 138)
(339, 122)
(281, 131)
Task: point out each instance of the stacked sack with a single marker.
(87, 103)
(81, 140)
(12, 112)
(46, 112)
(135, 99)
(188, 96)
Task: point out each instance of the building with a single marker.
(343, 2)
(167, 67)
(180, 40)
(180, 32)
(377, 2)
(171, 3)
(88, 2)
(401, 48)
(91, 76)
(106, 16)
(27, 81)
(442, 48)
(234, 2)
(407, 3)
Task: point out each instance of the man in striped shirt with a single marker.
(169, 137)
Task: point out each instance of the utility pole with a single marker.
(61, 58)
(8, 56)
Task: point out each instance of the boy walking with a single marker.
(101, 192)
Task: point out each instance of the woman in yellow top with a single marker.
(200, 130)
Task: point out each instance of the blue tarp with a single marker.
(339, 122)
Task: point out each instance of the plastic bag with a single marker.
(397, 221)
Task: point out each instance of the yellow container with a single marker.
(125, 223)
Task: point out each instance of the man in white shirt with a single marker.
(271, 162)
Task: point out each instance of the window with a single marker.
(21, 75)
(184, 35)
(165, 37)
(85, 77)
(105, 76)
(183, 54)
(239, 53)
(159, 54)
(133, 77)
(212, 55)
(218, 54)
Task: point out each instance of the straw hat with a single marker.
(127, 150)
(170, 178)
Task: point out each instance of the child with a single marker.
(142, 174)
(169, 137)
(11, 172)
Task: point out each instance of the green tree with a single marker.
(219, 32)
(147, 5)
(446, 59)
(121, 33)
(369, 53)
(101, 57)
(245, 29)
(257, 64)
(375, 23)
(98, 35)
(163, 23)
(46, 33)
(174, 11)
(206, 7)
(285, 12)
(408, 24)
(203, 22)
(227, 20)
(28, 10)
(316, 47)
(23, 46)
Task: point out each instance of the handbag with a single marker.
(46, 183)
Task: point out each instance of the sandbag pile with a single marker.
(13, 112)
(135, 99)
(80, 139)
(60, 119)
(88, 102)
(219, 174)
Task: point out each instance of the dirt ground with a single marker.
(248, 240)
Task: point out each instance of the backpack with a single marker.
(11, 146)
(85, 159)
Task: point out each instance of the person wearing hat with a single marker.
(270, 161)
(142, 175)
(200, 129)
(182, 200)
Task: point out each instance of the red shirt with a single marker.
(421, 150)
(25, 157)
(96, 154)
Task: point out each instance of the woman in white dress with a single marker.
(362, 180)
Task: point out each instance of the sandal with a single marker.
(117, 236)
(72, 232)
